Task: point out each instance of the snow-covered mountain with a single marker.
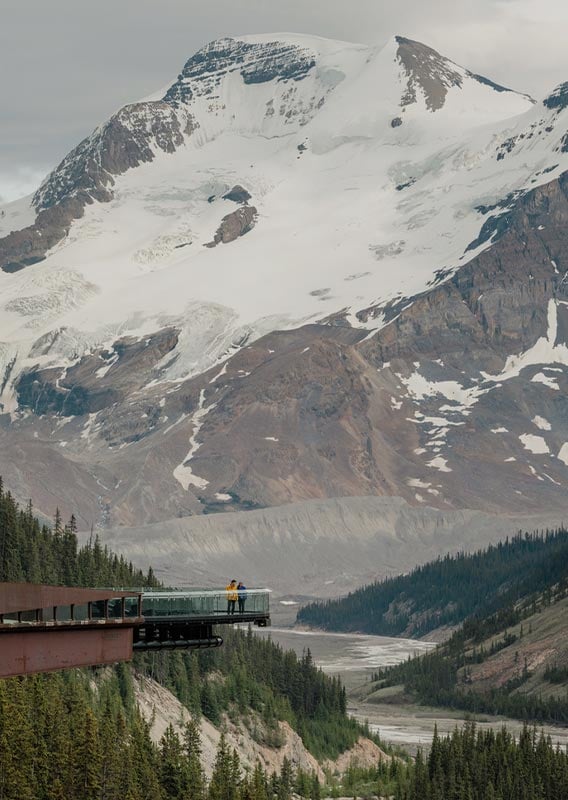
(307, 269)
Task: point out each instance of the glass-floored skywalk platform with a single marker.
(55, 627)
(182, 618)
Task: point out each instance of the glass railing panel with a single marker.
(63, 613)
(206, 603)
(131, 607)
(28, 616)
(115, 608)
(81, 612)
(98, 609)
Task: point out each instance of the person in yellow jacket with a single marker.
(232, 596)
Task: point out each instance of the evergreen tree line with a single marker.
(60, 738)
(432, 679)
(449, 590)
(64, 736)
(32, 552)
(486, 765)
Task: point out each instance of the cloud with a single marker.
(19, 182)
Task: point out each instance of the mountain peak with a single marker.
(558, 99)
(433, 74)
(165, 297)
(256, 62)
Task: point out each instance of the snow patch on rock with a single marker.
(542, 423)
(440, 464)
(183, 473)
(534, 444)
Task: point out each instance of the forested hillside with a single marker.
(512, 662)
(260, 681)
(484, 765)
(72, 726)
(448, 591)
(79, 734)
(67, 737)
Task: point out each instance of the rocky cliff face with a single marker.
(160, 709)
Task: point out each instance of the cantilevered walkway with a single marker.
(45, 628)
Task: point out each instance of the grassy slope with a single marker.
(538, 643)
(544, 643)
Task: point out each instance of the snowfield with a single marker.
(364, 192)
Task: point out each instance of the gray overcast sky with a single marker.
(66, 65)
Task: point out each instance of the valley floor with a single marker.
(354, 657)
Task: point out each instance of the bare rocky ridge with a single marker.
(256, 63)
(431, 73)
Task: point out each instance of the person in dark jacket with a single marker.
(242, 595)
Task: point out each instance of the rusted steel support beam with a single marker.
(45, 651)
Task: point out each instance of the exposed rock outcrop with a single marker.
(432, 74)
(256, 62)
(160, 709)
(233, 225)
(87, 387)
(238, 194)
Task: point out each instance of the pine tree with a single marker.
(195, 775)
(223, 784)
(16, 743)
(285, 782)
(173, 767)
(87, 758)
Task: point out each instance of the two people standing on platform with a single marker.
(236, 593)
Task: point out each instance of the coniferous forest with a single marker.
(444, 676)
(79, 734)
(449, 590)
